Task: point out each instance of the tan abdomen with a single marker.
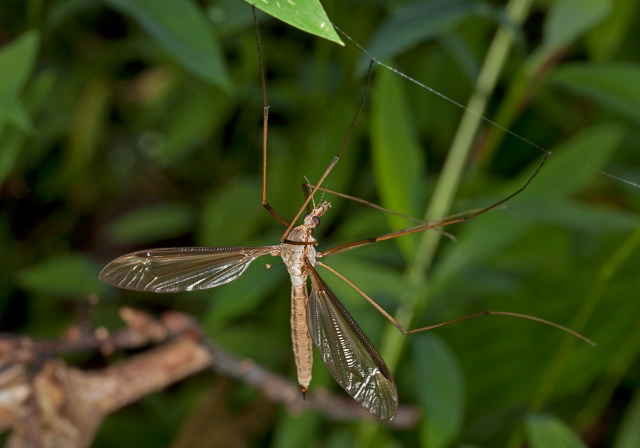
(300, 335)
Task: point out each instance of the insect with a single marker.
(317, 318)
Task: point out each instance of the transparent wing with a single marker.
(181, 268)
(347, 352)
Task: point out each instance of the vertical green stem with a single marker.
(471, 120)
(414, 302)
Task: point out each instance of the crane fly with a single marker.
(317, 318)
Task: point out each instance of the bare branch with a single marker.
(47, 403)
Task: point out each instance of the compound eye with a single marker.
(315, 220)
(306, 216)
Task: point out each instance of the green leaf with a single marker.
(307, 15)
(462, 53)
(68, 275)
(574, 163)
(243, 295)
(151, 224)
(296, 430)
(613, 85)
(569, 19)
(379, 281)
(571, 167)
(11, 147)
(440, 390)
(14, 142)
(420, 21)
(18, 116)
(16, 64)
(221, 209)
(573, 215)
(476, 244)
(202, 112)
(604, 40)
(547, 431)
(58, 12)
(566, 22)
(629, 434)
(397, 155)
(181, 28)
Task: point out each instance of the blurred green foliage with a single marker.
(133, 124)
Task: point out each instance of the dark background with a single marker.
(124, 148)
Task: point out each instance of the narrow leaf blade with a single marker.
(16, 64)
(397, 155)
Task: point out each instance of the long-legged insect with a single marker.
(317, 318)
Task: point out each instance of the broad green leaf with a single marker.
(397, 155)
(151, 224)
(16, 64)
(182, 29)
(68, 275)
(440, 391)
(547, 431)
(307, 15)
(569, 19)
(613, 85)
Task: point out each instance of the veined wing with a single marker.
(181, 268)
(347, 352)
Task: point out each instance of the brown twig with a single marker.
(50, 404)
(281, 390)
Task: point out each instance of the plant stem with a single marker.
(414, 303)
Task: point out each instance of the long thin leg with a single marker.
(306, 188)
(460, 319)
(265, 123)
(353, 245)
(337, 156)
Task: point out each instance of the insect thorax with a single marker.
(296, 256)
